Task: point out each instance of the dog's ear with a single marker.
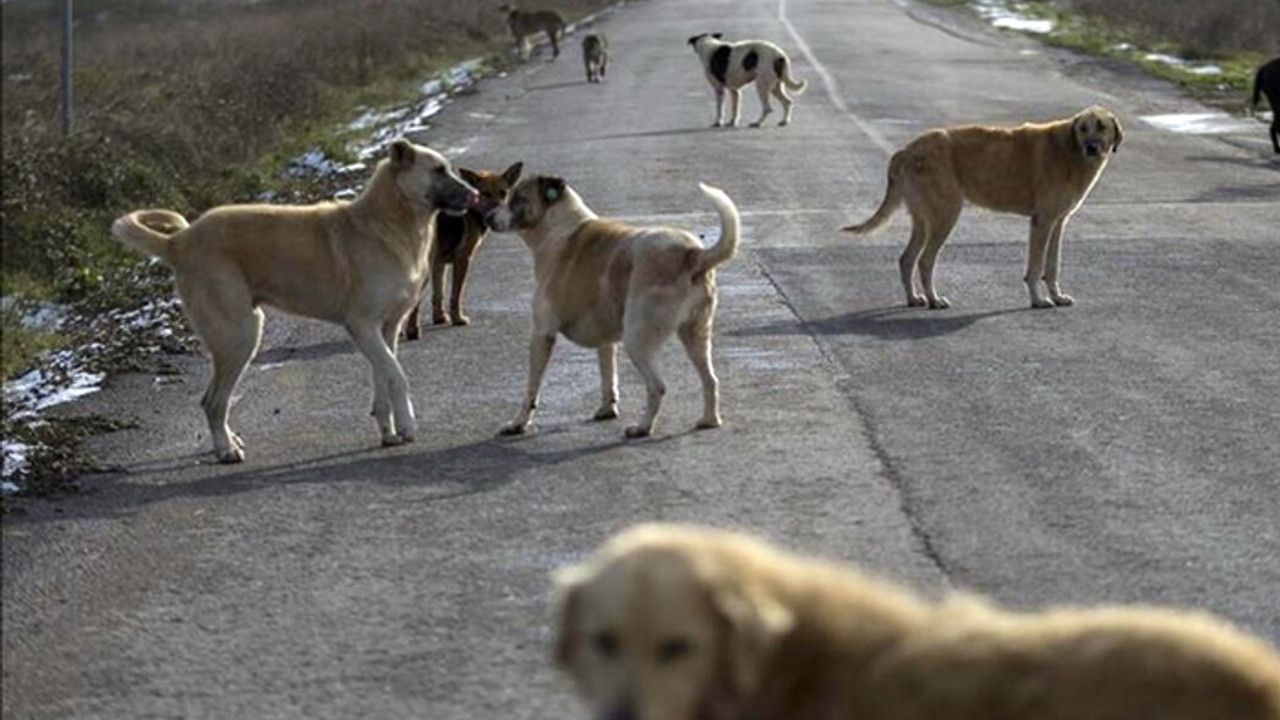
(551, 189)
(401, 153)
(1115, 122)
(694, 40)
(512, 174)
(717, 35)
(568, 589)
(754, 625)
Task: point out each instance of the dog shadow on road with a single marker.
(891, 323)
(427, 476)
(658, 133)
(556, 86)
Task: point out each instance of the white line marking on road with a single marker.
(711, 213)
(829, 82)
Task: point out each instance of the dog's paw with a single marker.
(231, 456)
(412, 332)
(637, 431)
(717, 124)
(917, 301)
(1062, 299)
(441, 319)
(606, 412)
(939, 303)
(460, 320)
(784, 123)
(757, 124)
(513, 429)
(709, 423)
(1041, 303)
(395, 440)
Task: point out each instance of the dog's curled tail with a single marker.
(782, 68)
(727, 246)
(892, 199)
(149, 230)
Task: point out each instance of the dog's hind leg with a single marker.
(231, 328)
(780, 92)
(907, 262)
(647, 324)
(540, 347)
(392, 406)
(458, 281)
(939, 226)
(696, 338)
(608, 357)
(1053, 265)
(762, 89)
(438, 316)
(1037, 248)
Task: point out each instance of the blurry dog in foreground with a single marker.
(1043, 171)
(359, 264)
(679, 623)
(525, 24)
(457, 238)
(731, 65)
(1267, 82)
(601, 282)
(595, 55)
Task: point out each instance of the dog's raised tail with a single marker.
(730, 221)
(892, 199)
(782, 68)
(149, 230)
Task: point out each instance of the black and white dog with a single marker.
(731, 65)
(1267, 82)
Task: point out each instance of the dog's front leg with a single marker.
(719, 106)
(438, 315)
(608, 356)
(1053, 265)
(735, 106)
(392, 407)
(540, 346)
(1036, 249)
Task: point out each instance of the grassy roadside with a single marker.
(1133, 31)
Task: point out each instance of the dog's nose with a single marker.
(1092, 150)
(473, 200)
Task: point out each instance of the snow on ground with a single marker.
(1182, 63)
(1002, 15)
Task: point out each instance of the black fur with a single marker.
(780, 66)
(720, 64)
(450, 231)
(1267, 82)
(750, 60)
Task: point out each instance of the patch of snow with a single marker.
(1123, 47)
(1204, 123)
(1182, 63)
(15, 464)
(1002, 15)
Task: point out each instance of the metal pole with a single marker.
(68, 28)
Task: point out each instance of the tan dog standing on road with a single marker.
(679, 623)
(357, 264)
(1043, 171)
(525, 24)
(600, 282)
(457, 238)
(731, 65)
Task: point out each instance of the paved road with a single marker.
(1121, 450)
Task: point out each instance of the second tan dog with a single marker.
(357, 264)
(679, 623)
(1043, 171)
(600, 282)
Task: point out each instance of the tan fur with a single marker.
(601, 282)
(457, 238)
(1037, 170)
(525, 24)
(680, 623)
(357, 264)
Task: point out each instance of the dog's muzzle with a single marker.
(497, 220)
(1093, 149)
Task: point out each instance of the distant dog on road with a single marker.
(600, 282)
(525, 24)
(457, 239)
(595, 55)
(359, 264)
(1043, 171)
(668, 622)
(731, 65)
(1267, 82)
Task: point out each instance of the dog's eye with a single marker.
(606, 643)
(673, 650)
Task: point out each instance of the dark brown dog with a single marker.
(457, 239)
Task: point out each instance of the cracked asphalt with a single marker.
(1122, 450)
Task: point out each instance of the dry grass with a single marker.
(1199, 28)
